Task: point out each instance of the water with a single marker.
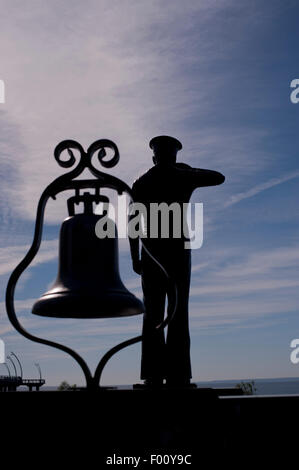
(277, 386)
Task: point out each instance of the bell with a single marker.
(88, 283)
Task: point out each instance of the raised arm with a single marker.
(200, 177)
(208, 177)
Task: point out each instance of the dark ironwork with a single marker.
(60, 184)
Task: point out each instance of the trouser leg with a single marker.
(178, 362)
(170, 359)
(153, 344)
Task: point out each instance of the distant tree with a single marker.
(65, 386)
(248, 388)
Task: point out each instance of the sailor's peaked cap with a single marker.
(165, 141)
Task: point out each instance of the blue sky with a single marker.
(216, 75)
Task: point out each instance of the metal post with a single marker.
(13, 354)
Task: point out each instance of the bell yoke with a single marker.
(88, 284)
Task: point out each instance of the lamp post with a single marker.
(19, 362)
(39, 370)
(15, 369)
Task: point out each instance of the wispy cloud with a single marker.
(245, 287)
(260, 187)
(86, 83)
(242, 274)
(263, 263)
(10, 256)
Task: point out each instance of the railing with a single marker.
(14, 382)
(33, 381)
(6, 378)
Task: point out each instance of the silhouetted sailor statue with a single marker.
(168, 182)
